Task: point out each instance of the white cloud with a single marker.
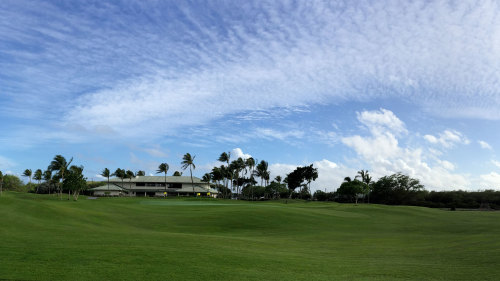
(496, 163)
(381, 121)
(237, 153)
(490, 181)
(163, 76)
(485, 145)
(447, 139)
(383, 153)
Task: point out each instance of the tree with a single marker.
(367, 180)
(250, 163)
(38, 177)
(1, 182)
(207, 177)
(396, 189)
(12, 182)
(47, 177)
(75, 181)
(60, 165)
(27, 173)
(188, 161)
(350, 189)
(262, 172)
(310, 174)
(106, 173)
(225, 157)
(177, 174)
(119, 173)
(163, 168)
(140, 173)
(129, 175)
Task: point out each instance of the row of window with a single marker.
(159, 184)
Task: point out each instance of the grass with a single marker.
(43, 238)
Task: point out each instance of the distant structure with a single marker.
(154, 186)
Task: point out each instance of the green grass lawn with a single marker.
(43, 238)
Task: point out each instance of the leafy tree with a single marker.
(177, 174)
(188, 161)
(74, 181)
(60, 165)
(163, 168)
(300, 175)
(140, 173)
(38, 177)
(12, 182)
(106, 173)
(396, 189)
(350, 189)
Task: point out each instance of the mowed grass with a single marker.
(43, 238)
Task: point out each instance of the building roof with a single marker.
(111, 187)
(170, 179)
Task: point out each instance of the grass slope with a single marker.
(42, 238)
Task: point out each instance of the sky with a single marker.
(384, 86)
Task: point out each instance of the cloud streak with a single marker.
(160, 67)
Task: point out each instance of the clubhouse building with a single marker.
(144, 186)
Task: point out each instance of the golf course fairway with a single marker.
(44, 238)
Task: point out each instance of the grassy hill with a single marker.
(43, 238)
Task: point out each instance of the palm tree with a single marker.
(366, 179)
(38, 177)
(262, 171)
(163, 168)
(250, 163)
(119, 173)
(60, 164)
(188, 161)
(106, 173)
(129, 175)
(47, 177)
(225, 157)
(1, 182)
(28, 173)
(140, 173)
(207, 177)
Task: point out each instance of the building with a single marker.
(144, 186)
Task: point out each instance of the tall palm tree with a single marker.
(163, 168)
(27, 173)
(60, 164)
(207, 177)
(188, 161)
(225, 157)
(250, 163)
(119, 173)
(367, 180)
(129, 175)
(262, 171)
(106, 173)
(47, 177)
(38, 177)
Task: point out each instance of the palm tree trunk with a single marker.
(192, 183)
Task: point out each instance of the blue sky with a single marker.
(385, 86)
